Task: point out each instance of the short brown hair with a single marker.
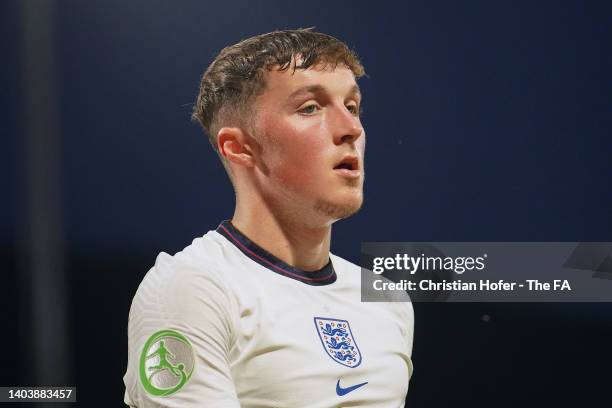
(236, 75)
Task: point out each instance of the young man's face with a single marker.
(312, 141)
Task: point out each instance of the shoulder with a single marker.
(188, 293)
(176, 281)
(204, 256)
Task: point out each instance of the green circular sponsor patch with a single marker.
(166, 363)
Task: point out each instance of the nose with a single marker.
(347, 127)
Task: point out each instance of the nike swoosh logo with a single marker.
(343, 391)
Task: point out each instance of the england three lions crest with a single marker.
(338, 341)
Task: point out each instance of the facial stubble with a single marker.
(341, 210)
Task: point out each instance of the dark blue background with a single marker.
(486, 121)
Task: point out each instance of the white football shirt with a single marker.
(224, 323)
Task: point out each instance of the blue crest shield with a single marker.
(338, 341)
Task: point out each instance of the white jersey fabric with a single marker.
(224, 323)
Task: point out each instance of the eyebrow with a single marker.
(317, 89)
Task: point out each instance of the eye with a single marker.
(354, 109)
(308, 110)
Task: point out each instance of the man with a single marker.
(259, 313)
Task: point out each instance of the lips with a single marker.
(348, 167)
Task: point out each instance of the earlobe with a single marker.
(232, 143)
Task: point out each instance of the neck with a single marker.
(288, 238)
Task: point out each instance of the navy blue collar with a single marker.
(323, 276)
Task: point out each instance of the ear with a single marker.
(233, 144)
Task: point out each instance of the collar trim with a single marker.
(324, 276)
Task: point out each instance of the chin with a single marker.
(339, 209)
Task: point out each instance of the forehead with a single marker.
(283, 84)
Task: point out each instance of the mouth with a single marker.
(348, 167)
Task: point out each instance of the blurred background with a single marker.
(486, 121)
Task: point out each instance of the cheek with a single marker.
(296, 147)
(297, 154)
